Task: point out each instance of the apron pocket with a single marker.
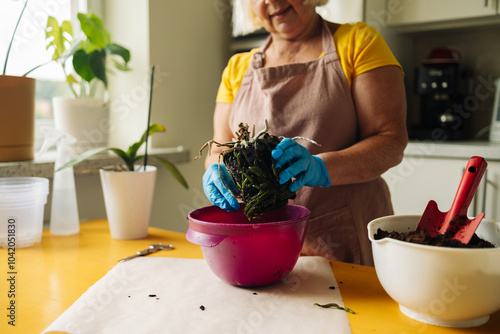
(333, 236)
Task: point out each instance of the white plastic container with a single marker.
(22, 202)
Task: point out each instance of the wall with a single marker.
(188, 42)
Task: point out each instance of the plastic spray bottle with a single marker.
(64, 218)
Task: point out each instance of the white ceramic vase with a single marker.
(86, 119)
(128, 197)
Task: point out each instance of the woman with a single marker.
(336, 84)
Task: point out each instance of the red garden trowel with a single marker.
(455, 222)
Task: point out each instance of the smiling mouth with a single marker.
(280, 12)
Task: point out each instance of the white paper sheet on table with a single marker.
(167, 295)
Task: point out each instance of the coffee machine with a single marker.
(442, 85)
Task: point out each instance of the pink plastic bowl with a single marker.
(249, 254)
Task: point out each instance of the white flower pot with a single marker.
(128, 197)
(86, 119)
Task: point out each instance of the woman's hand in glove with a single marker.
(215, 190)
(307, 169)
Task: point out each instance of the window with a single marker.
(28, 49)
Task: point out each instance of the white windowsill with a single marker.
(44, 167)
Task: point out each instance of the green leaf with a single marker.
(82, 157)
(127, 159)
(81, 64)
(97, 62)
(153, 128)
(71, 79)
(334, 305)
(120, 153)
(118, 50)
(170, 167)
(93, 28)
(57, 36)
(120, 66)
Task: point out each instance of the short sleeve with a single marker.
(361, 48)
(225, 92)
(372, 50)
(232, 76)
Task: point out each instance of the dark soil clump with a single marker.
(420, 237)
(254, 172)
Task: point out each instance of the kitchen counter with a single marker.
(52, 275)
(453, 149)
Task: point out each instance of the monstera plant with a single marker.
(90, 55)
(86, 61)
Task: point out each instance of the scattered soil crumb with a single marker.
(332, 287)
(152, 296)
(202, 308)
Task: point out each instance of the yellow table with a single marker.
(51, 276)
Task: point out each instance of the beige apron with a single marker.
(313, 100)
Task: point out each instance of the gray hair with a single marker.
(245, 21)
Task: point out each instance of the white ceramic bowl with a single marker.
(438, 285)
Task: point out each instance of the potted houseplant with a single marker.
(128, 188)
(86, 62)
(17, 112)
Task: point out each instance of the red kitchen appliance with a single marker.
(442, 85)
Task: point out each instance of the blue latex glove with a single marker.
(215, 190)
(308, 170)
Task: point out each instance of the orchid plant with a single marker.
(130, 157)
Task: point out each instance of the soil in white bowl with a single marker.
(443, 240)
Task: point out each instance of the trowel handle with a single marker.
(470, 181)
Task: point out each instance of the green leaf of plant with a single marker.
(120, 66)
(71, 79)
(82, 157)
(120, 153)
(57, 36)
(93, 28)
(118, 50)
(98, 65)
(170, 168)
(153, 128)
(334, 305)
(127, 159)
(81, 64)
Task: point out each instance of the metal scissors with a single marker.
(151, 249)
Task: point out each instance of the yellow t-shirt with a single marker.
(360, 47)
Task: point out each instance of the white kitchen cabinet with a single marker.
(419, 179)
(400, 12)
(341, 11)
